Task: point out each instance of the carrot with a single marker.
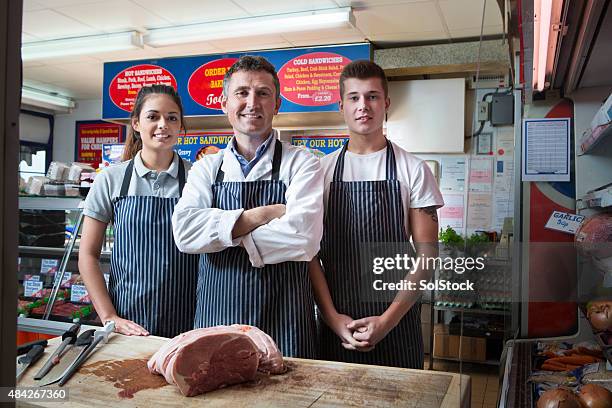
(589, 352)
(558, 367)
(575, 359)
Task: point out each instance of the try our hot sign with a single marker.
(308, 79)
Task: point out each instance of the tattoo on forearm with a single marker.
(431, 211)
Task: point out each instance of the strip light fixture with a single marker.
(44, 99)
(92, 44)
(245, 27)
(546, 28)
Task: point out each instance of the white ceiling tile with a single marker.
(46, 73)
(416, 17)
(32, 63)
(87, 71)
(321, 34)
(187, 49)
(192, 11)
(114, 15)
(475, 32)
(410, 37)
(370, 3)
(48, 24)
(128, 55)
(328, 41)
(31, 5)
(468, 13)
(73, 59)
(80, 89)
(32, 83)
(264, 7)
(256, 42)
(25, 37)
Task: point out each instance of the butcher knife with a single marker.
(24, 348)
(69, 337)
(99, 336)
(69, 357)
(25, 361)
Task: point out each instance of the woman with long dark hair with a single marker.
(152, 284)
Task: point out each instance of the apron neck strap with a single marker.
(390, 163)
(127, 177)
(276, 161)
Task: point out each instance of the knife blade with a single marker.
(24, 348)
(99, 336)
(69, 337)
(69, 357)
(33, 355)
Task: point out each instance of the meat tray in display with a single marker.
(204, 360)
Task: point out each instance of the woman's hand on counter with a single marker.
(128, 327)
(338, 323)
(370, 329)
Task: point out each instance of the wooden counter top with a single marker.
(115, 375)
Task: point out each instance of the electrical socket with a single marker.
(483, 111)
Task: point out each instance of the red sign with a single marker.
(205, 85)
(312, 79)
(91, 134)
(125, 85)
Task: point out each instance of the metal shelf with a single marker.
(46, 326)
(476, 310)
(487, 362)
(598, 198)
(593, 138)
(55, 251)
(50, 203)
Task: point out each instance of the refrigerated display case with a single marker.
(51, 293)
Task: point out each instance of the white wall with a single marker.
(65, 124)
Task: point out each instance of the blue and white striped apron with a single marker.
(360, 212)
(277, 298)
(151, 282)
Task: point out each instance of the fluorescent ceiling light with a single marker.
(246, 27)
(546, 28)
(92, 44)
(45, 99)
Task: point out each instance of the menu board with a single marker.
(195, 145)
(320, 145)
(308, 79)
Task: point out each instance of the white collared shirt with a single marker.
(295, 236)
(144, 182)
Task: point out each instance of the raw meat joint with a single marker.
(206, 359)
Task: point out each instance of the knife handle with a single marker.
(33, 355)
(72, 333)
(85, 338)
(24, 348)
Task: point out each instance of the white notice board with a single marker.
(546, 149)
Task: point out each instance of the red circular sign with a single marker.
(205, 85)
(125, 85)
(312, 79)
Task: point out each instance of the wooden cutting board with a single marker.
(115, 375)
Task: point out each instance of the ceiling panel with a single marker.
(329, 41)
(128, 55)
(46, 73)
(31, 5)
(187, 49)
(265, 7)
(468, 14)
(414, 37)
(370, 3)
(25, 37)
(256, 42)
(192, 11)
(397, 18)
(114, 15)
(48, 24)
(82, 71)
(79, 89)
(475, 31)
(322, 34)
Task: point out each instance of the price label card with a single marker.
(65, 279)
(564, 222)
(31, 277)
(49, 265)
(79, 293)
(32, 288)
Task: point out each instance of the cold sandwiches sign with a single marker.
(308, 79)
